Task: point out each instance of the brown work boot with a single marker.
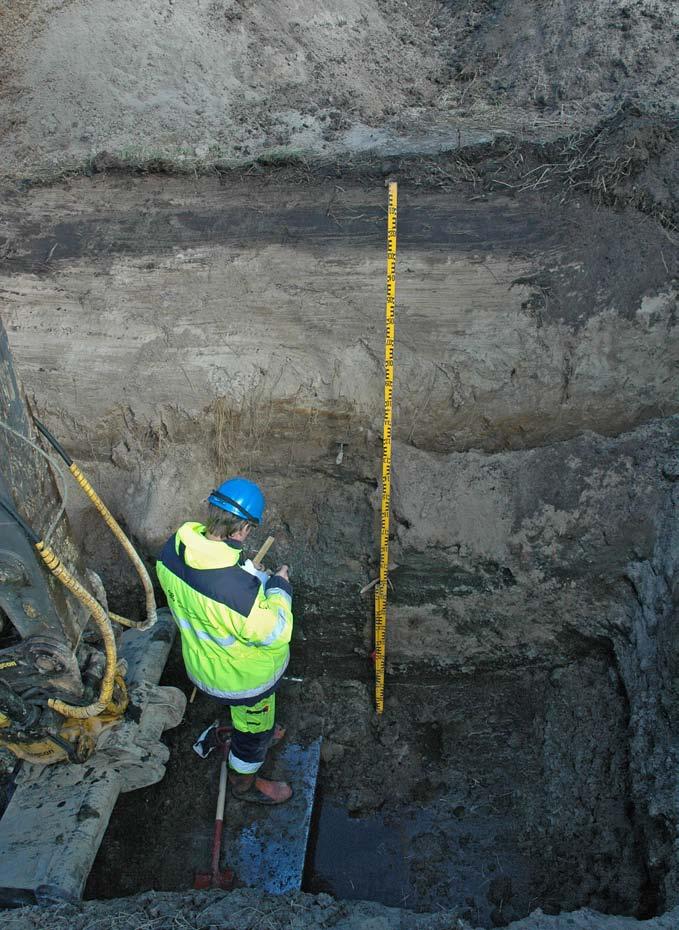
(258, 790)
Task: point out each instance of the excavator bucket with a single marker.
(55, 821)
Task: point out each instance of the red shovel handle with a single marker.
(217, 879)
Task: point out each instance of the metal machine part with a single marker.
(65, 697)
(41, 662)
(48, 602)
(266, 846)
(32, 671)
(57, 817)
(31, 599)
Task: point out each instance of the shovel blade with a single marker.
(223, 880)
(201, 880)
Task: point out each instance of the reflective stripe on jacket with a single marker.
(235, 633)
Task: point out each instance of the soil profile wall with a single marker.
(173, 331)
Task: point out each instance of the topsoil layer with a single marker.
(201, 81)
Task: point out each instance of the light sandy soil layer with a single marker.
(202, 80)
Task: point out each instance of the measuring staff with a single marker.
(381, 589)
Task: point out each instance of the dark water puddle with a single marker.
(439, 857)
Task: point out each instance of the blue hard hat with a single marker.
(240, 497)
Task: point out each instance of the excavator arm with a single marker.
(77, 684)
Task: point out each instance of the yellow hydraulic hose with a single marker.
(100, 617)
(115, 528)
(103, 624)
(123, 621)
(117, 531)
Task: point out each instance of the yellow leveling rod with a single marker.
(381, 589)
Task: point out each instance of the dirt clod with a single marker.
(500, 890)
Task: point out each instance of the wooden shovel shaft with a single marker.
(214, 878)
(219, 819)
(266, 545)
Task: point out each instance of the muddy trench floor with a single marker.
(489, 795)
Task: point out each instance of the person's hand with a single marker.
(284, 572)
(260, 568)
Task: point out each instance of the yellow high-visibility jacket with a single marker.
(235, 632)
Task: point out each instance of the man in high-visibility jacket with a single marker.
(235, 625)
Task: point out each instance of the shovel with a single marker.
(215, 878)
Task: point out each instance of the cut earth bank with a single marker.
(194, 82)
(171, 331)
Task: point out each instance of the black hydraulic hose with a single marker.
(32, 535)
(64, 744)
(56, 445)
(15, 707)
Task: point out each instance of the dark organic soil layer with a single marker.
(509, 791)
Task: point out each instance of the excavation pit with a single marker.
(527, 755)
(487, 795)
